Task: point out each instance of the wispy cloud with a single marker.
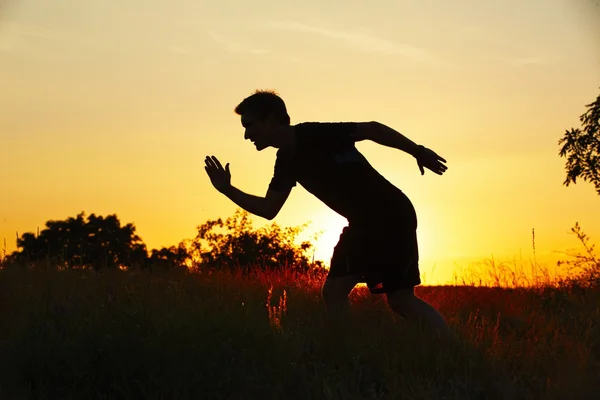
(235, 46)
(31, 31)
(12, 34)
(524, 61)
(15, 35)
(360, 40)
(530, 60)
(180, 50)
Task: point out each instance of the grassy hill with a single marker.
(225, 335)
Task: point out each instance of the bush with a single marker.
(235, 243)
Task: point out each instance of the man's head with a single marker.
(263, 115)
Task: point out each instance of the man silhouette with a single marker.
(379, 245)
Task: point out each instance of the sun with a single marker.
(329, 227)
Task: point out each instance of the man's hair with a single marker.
(262, 103)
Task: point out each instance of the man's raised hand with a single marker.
(427, 158)
(220, 177)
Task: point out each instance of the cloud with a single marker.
(232, 46)
(524, 61)
(11, 34)
(530, 60)
(180, 50)
(14, 35)
(360, 40)
(16, 29)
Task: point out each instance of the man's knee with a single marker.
(402, 302)
(399, 308)
(332, 292)
(336, 290)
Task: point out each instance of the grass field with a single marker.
(225, 335)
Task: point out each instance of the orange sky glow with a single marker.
(111, 106)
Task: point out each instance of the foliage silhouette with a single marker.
(582, 148)
(167, 258)
(240, 245)
(98, 242)
(584, 268)
(102, 243)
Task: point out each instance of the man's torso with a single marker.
(328, 165)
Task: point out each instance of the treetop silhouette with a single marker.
(581, 147)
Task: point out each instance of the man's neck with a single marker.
(288, 139)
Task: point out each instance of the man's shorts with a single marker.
(385, 257)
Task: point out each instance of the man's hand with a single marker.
(220, 178)
(427, 158)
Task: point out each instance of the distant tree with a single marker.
(98, 242)
(240, 245)
(3, 256)
(102, 242)
(174, 257)
(582, 148)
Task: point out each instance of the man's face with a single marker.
(259, 132)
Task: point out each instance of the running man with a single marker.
(379, 245)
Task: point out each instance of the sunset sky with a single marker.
(110, 106)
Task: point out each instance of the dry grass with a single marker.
(264, 335)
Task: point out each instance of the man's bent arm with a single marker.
(253, 204)
(386, 136)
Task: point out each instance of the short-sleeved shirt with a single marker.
(327, 164)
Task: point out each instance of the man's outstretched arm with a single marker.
(253, 204)
(386, 136)
(267, 207)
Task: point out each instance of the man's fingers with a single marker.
(433, 165)
(209, 162)
(439, 158)
(212, 162)
(214, 168)
(217, 162)
(433, 154)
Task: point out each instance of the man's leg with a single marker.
(335, 293)
(341, 278)
(406, 304)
